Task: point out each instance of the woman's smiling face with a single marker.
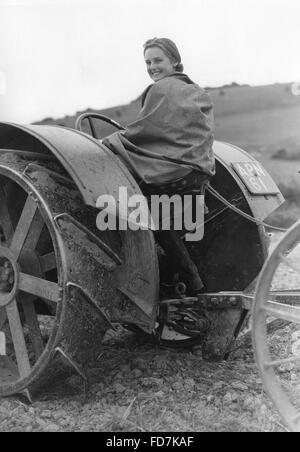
(158, 64)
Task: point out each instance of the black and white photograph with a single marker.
(149, 218)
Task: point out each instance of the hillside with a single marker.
(260, 119)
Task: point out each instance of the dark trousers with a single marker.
(171, 242)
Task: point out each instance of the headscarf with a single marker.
(168, 47)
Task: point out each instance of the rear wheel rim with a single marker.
(28, 278)
(264, 307)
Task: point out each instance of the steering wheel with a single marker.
(89, 116)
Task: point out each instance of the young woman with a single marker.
(173, 133)
(168, 148)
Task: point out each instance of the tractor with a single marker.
(64, 283)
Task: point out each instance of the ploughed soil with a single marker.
(138, 387)
(141, 387)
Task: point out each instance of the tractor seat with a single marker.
(194, 182)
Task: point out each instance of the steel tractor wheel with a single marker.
(277, 349)
(41, 333)
(58, 278)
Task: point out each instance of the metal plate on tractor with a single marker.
(256, 179)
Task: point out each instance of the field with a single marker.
(263, 131)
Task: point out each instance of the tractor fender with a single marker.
(261, 204)
(97, 171)
(92, 166)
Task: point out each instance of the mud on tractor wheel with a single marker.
(61, 280)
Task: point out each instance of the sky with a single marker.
(58, 57)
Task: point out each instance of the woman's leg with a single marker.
(176, 250)
(170, 240)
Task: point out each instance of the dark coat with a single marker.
(172, 135)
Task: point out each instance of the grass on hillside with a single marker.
(246, 116)
(262, 132)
